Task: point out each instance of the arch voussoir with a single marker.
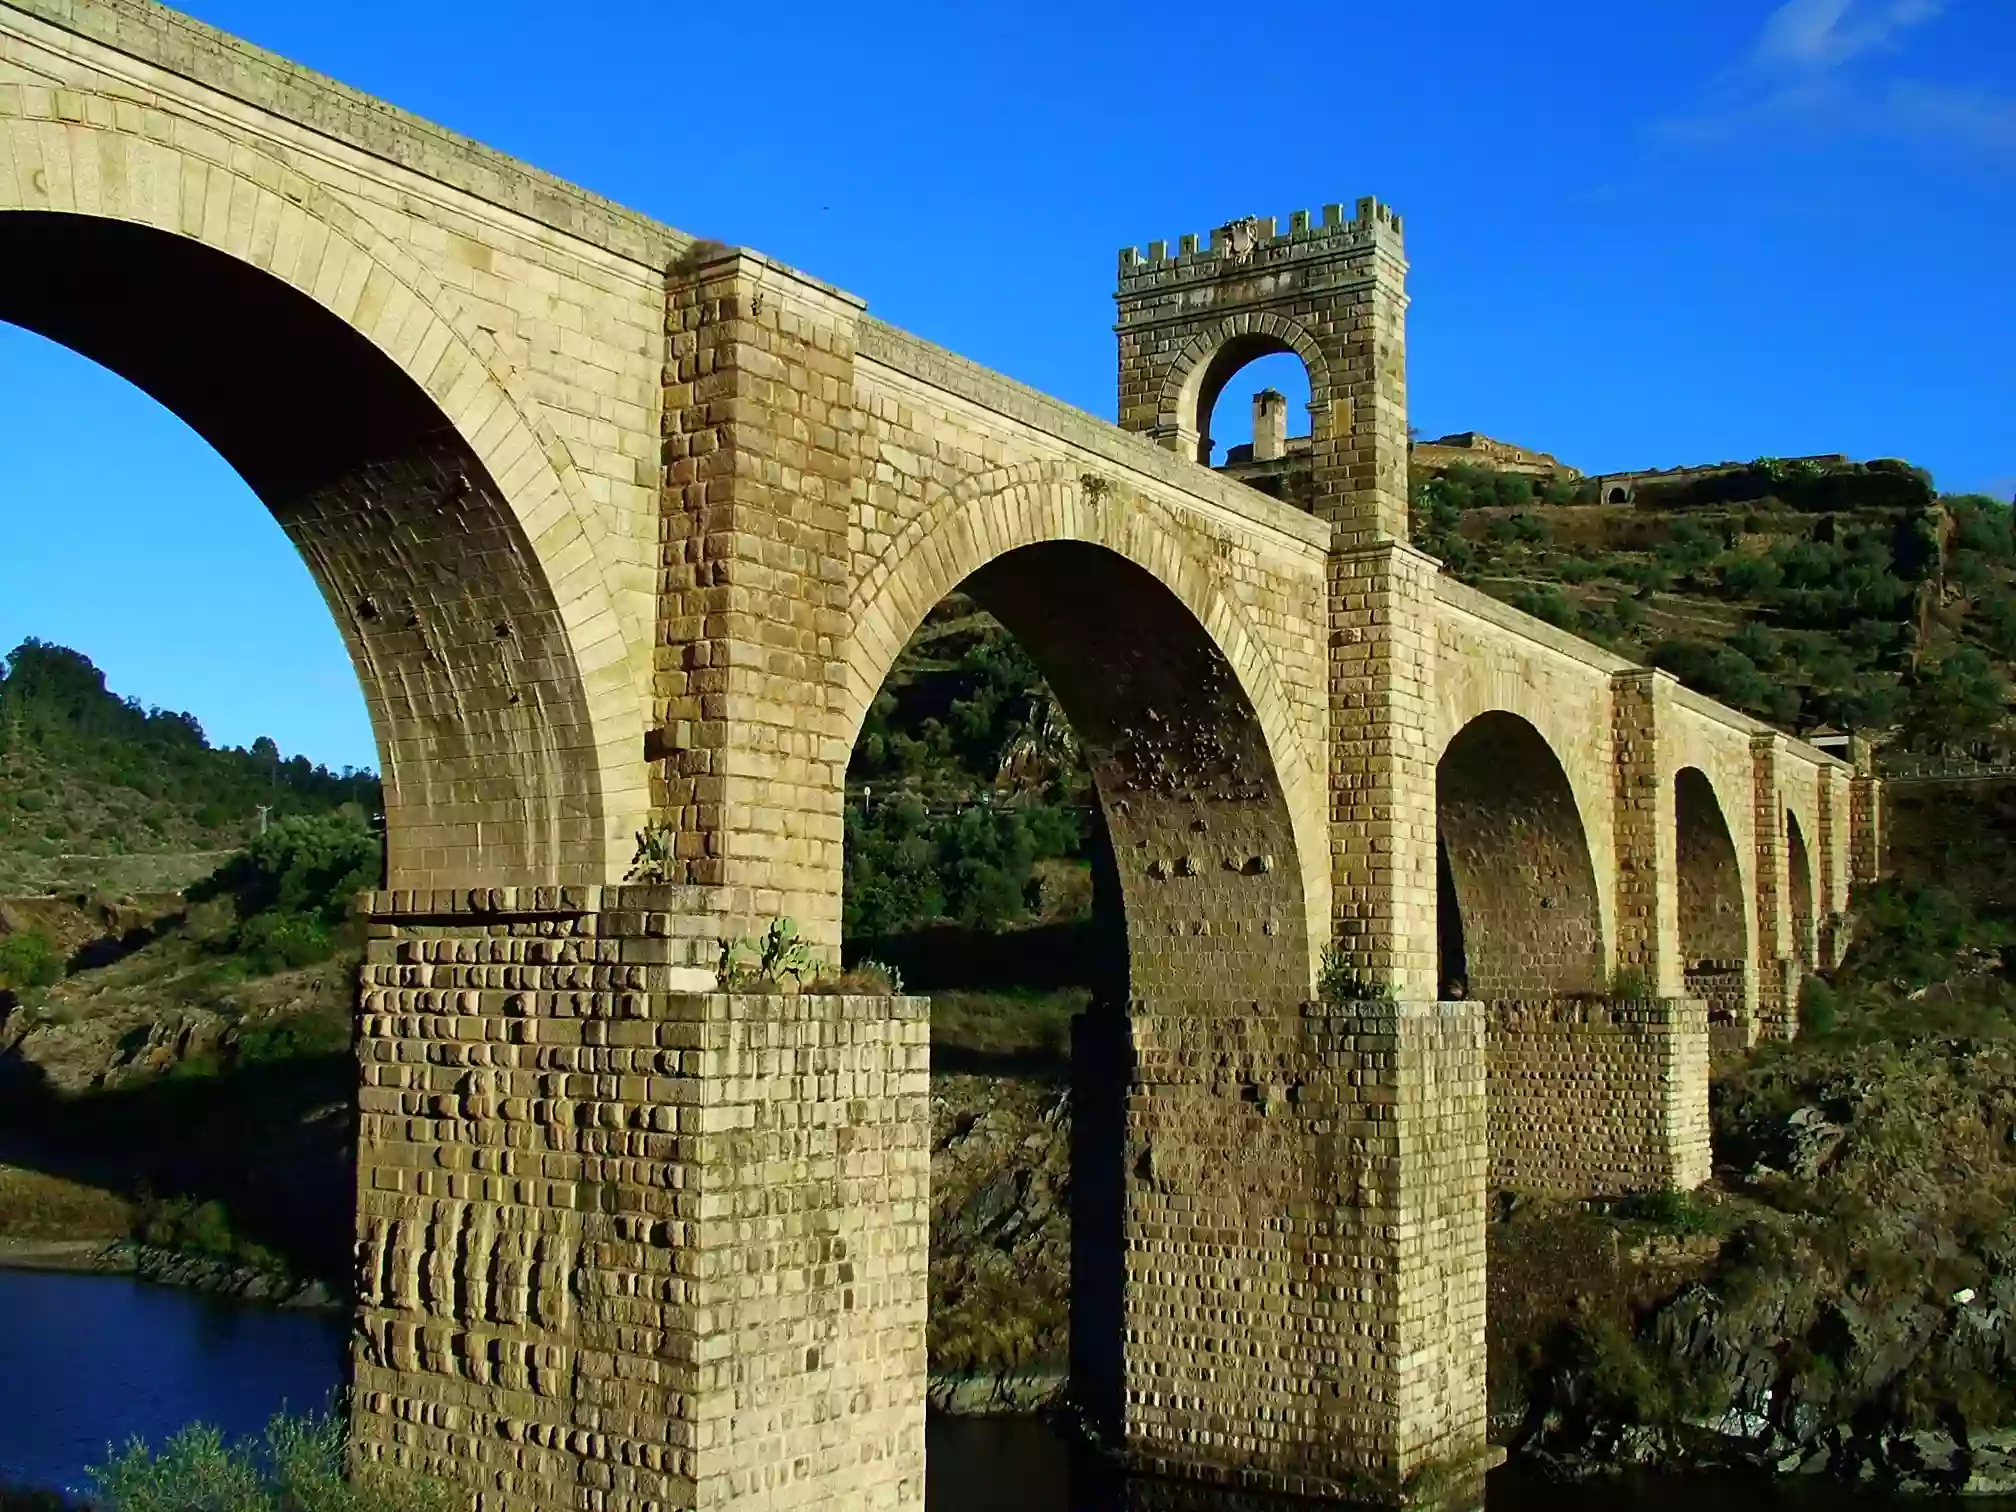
(72, 153)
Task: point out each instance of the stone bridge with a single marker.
(623, 531)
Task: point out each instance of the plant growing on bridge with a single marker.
(778, 955)
(1339, 981)
(654, 859)
(1630, 984)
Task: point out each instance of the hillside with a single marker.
(97, 791)
(1851, 597)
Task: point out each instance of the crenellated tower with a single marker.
(1332, 291)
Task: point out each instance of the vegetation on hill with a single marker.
(1853, 597)
(190, 1054)
(90, 781)
(967, 801)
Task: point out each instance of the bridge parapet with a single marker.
(198, 53)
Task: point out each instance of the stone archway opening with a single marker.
(1514, 862)
(1196, 929)
(479, 711)
(1519, 928)
(1799, 882)
(1253, 415)
(1714, 933)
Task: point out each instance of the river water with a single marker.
(88, 1362)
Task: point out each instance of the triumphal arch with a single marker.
(623, 531)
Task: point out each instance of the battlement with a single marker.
(1259, 239)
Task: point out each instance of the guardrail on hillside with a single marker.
(1913, 766)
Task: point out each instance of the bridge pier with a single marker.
(624, 1244)
(1299, 1238)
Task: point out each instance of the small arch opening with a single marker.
(1714, 935)
(1259, 414)
(1620, 496)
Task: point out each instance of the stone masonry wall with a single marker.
(749, 754)
(536, 338)
(1771, 883)
(1647, 893)
(1592, 1098)
(1330, 1173)
(1382, 765)
(961, 469)
(625, 1247)
(1720, 986)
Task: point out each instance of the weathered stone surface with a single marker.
(624, 532)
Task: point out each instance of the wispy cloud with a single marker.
(1815, 65)
(1818, 35)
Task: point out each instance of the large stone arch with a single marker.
(1211, 358)
(1040, 504)
(442, 520)
(1713, 906)
(1181, 1109)
(1516, 869)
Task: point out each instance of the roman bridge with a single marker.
(623, 531)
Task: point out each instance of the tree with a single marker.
(1954, 701)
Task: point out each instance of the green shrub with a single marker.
(1521, 527)
(1911, 934)
(1819, 1006)
(1339, 981)
(292, 888)
(29, 961)
(1630, 984)
(299, 1467)
(1958, 699)
(1548, 603)
(296, 1036)
(1670, 1209)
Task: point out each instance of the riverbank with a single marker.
(165, 1267)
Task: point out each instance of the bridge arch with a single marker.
(1132, 558)
(1468, 687)
(442, 521)
(1211, 358)
(1714, 916)
(1520, 913)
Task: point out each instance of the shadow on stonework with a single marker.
(1027, 1465)
(1101, 1067)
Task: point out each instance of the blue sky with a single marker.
(1644, 234)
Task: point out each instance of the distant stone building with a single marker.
(1280, 465)
(1622, 487)
(1485, 451)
